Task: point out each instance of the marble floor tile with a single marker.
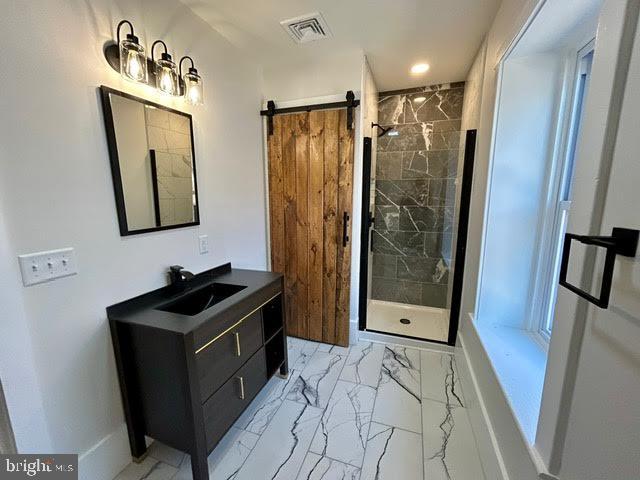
(404, 357)
(342, 433)
(227, 458)
(439, 378)
(316, 381)
(149, 469)
(335, 349)
(282, 448)
(299, 352)
(450, 451)
(363, 364)
(316, 467)
(165, 454)
(398, 401)
(392, 454)
(263, 408)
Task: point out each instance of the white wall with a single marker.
(472, 101)
(17, 365)
(322, 76)
(369, 116)
(56, 192)
(530, 89)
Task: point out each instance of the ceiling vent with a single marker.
(307, 28)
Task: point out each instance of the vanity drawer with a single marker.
(226, 405)
(225, 354)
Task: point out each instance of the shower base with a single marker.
(428, 323)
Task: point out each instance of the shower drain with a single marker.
(405, 321)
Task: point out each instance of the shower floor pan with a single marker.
(428, 323)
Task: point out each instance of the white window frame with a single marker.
(559, 194)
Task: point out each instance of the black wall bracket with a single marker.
(271, 109)
(351, 98)
(623, 241)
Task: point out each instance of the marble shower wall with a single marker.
(415, 194)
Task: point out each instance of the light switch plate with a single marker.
(203, 242)
(42, 267)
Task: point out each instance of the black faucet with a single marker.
(178, 275)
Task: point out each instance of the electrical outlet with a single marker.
(42, 267)
(203, 241)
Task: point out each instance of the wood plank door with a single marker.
(310, 201)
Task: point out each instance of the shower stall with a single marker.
(416, 188)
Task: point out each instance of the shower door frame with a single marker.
(461, 240)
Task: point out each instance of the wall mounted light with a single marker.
(133, 61)
(192, 82)
(165, 68)
(127, 56)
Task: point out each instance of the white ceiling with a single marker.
(393, 34)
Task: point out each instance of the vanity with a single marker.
(192, 356)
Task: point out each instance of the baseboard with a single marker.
(107, 458)
(480, 423)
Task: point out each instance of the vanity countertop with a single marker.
(142, 310)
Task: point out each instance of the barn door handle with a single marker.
(345, 228)
(623, 241)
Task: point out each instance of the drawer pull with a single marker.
(241, 379)
(235, 324)
(238, 352)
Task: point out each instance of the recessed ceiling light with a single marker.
(419, 68)
(419, 99)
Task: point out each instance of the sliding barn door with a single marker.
(310, 193)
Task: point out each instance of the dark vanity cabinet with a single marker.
(186, 377)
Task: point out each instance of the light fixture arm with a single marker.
(186, 57)
(123, 22)
(166, 50)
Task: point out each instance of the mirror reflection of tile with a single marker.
(169, 135)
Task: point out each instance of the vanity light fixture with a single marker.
(192, 82)
(165, 68)
(127, 56)
(133, 61)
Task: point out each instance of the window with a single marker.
(563, 205)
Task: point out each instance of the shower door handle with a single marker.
(345, 228)
(622, 241)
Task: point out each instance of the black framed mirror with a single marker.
(153, 163)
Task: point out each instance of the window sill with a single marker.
(519, 362)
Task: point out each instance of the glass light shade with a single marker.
(133, 61)
(166, 76)
(193, 91)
